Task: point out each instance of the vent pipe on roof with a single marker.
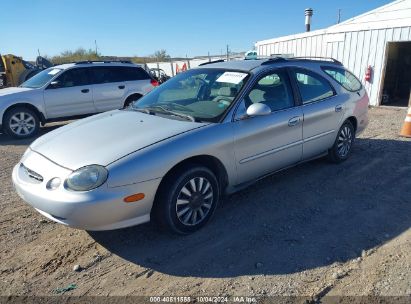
(308, 14)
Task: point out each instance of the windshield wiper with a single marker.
(142, 110)
(165, 110)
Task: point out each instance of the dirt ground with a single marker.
(316, 230)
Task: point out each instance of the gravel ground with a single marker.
(316, 230)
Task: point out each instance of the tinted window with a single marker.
(273, 90)
(118, 74)
(104, 75)
(73, 78)
(312, 86)
(344, 78)
(130, 73)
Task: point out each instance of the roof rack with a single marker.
(210, 62)
(284, 59)
(102, 61)
(274, 59)
(317, 58)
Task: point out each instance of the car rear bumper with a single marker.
(99, 209)
(362, 123)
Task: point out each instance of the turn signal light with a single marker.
(134, 198)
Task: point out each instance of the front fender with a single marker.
(156, 160)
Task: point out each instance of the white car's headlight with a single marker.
(87, 178)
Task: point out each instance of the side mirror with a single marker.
(54, 84)
(258, 109)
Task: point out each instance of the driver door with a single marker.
(264, 144)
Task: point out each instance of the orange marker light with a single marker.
(134, 198)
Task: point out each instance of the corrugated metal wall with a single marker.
(356, 50)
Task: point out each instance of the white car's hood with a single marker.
(13, 90)
(104, 138)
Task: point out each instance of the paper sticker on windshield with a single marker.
(232, 77)
(53, 71)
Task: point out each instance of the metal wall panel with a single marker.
(356, 50)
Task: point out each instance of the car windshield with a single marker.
(199, 95)
(40, 79)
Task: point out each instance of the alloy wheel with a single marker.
(344, 143)
(22, 123)
(194, 201)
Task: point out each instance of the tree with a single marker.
(161, 55)
(80, 54)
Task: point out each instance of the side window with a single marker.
(274, 90)
(347, 80)
(312, 87)
(134, 73)
(73, 78)
(102, 75)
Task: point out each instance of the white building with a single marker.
(380, 38)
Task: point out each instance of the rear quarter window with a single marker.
(134, 73)
(346, 79)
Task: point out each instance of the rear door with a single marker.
(109, 87)
(322, 109)
(265, 144)
(71, 95)
(137, 80)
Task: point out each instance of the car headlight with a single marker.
(87, 178)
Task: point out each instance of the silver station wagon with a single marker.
(210, 131)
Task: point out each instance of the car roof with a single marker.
(249, 65)
(241, 65)
(93, 64)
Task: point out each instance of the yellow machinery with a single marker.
(14, 70)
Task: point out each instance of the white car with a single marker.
(71, 91)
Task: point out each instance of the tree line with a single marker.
(82, 54)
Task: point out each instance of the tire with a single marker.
(344, 141)
(131, 99)
(180, 207)
(21, 122)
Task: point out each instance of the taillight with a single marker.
(154, 83)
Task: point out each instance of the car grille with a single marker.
(31, 174)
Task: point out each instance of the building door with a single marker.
(397, 79)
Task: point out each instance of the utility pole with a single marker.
(339, 16)
(228, 54)
(95, 43)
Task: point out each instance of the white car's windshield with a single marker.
(198, 94)
(40, 79)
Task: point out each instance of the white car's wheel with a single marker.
(21, 122)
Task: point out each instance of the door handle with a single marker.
(338, 108)
(121, 87)
(85, 90)
(294, 121)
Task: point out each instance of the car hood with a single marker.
(13, 90)
(107, 137)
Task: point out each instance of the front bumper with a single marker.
(99, 209)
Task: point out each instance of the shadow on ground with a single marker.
(307, 217)
(7, 140)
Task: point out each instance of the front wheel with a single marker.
(21, 123)
(187, 200)
(341, 149)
